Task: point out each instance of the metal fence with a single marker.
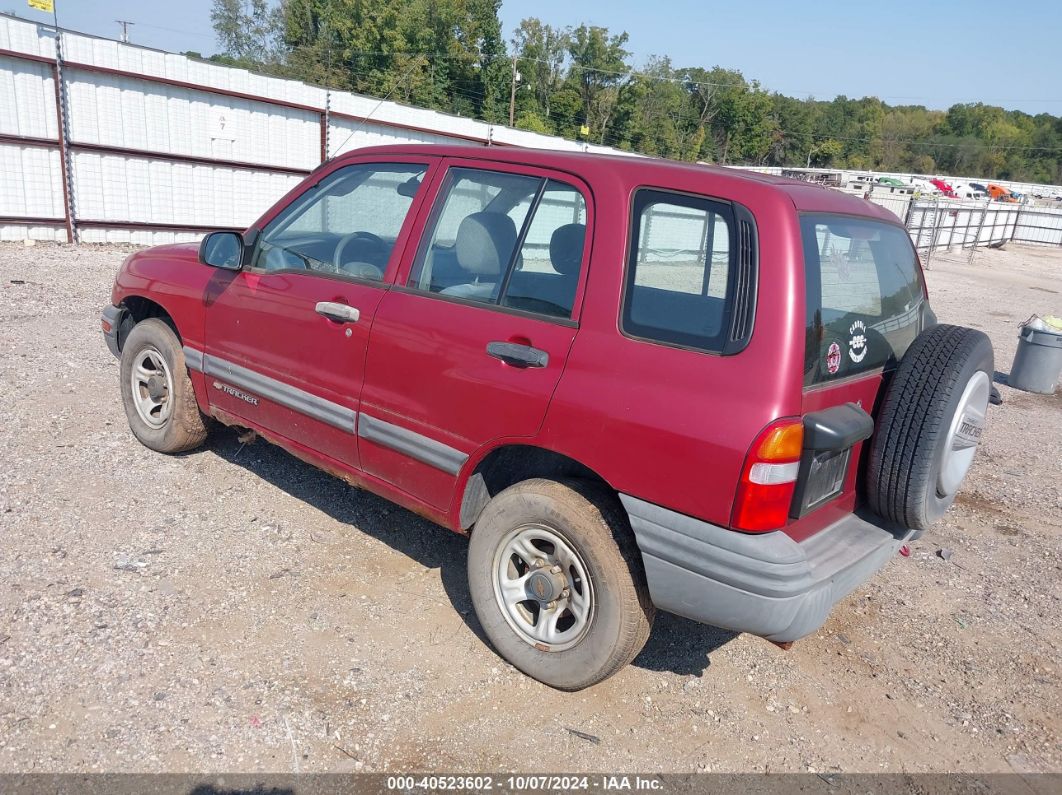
(945, 224)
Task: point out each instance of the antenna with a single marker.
(125, 29)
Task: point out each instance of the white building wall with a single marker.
(132, 114)
(345, 135)
(30, 177)
(156, 191)
(124, 111)
(27, 99)
(22, 36)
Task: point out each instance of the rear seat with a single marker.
(552, 293)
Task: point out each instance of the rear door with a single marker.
(865, 306)
(470, 344)
(286, 336)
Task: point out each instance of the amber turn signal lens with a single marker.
(782, 443)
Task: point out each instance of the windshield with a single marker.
(864, 296)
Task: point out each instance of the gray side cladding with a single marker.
(286, 395)
(411, 443)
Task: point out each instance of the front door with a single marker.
(470, 347)
(286, 336)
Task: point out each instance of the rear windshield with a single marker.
(864, 296)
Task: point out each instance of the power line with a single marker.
(681, 77)
(364, 121)
(469, 56)
(199, 34)
(611, 138)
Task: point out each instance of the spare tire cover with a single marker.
(929, 425)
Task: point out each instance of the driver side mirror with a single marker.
(222, 250)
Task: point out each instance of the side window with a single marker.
(504, 239)
(346, 225)
(679, 276)
(546, 273)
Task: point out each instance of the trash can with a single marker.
(1038, 361)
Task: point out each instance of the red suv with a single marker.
(635, 384)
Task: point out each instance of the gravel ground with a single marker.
(236, 610)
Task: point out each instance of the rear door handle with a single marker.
(518, 355)
(342, 313)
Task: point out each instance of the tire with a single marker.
(167, 419)
(929, 424)
(613, 596)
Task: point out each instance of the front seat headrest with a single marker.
(566, 248)
(485, 242)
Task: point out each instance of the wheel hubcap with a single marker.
(964, 434)
(543, 589)
(152, 387)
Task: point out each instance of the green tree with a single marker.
(532, 122)
(653, 114)
(795, 125)
(712, 96)
(754, 129)
(598, 70)
(449, 55)
(825, 153)
(249, 30)
(443, 54)
(566, 108)
(541, 52)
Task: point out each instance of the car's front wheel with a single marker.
(157, 393)
(557, 582)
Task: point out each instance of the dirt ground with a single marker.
(234, 609)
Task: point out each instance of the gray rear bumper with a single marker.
(766, 584)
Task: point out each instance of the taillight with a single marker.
(768, 478)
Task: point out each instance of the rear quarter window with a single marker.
(865, 296)
(680, 274)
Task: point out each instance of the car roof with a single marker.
(635, 171)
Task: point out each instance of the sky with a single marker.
(933, 53)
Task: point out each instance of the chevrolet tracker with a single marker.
(636, 385)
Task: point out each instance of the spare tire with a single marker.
(929, 425)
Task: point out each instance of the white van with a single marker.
(964, 191)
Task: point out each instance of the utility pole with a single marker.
(125, 29)
(512, 93)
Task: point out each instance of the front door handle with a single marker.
(342, 313)
(518, 355)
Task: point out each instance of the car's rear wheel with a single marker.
(929, 425)
(157, 393)
(557, 582)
